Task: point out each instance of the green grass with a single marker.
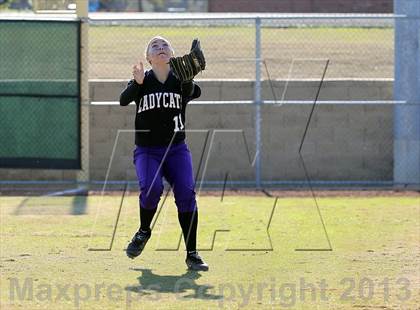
(375, 242)
(353, 52)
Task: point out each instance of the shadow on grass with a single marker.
(150, 282)
(64, 202)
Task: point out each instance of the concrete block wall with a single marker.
(344, 142)
(231, 90)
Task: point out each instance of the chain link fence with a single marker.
(357, 48)
(262, 77)
(274, 61)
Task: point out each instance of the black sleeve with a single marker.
(190, 90)
(130, 93)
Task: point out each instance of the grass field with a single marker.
(353, 52)
(374, 262)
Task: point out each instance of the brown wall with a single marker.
(302, 6)
(346, 142)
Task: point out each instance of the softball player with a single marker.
(161, 97)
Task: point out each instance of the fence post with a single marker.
(407, 88)
(257, 102)
(82, 10)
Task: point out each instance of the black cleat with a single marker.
(137, 244)
(195, 262)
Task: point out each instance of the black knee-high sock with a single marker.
(146, 217)
(189, 222)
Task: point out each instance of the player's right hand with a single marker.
(138, 73)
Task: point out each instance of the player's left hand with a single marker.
(188, 66)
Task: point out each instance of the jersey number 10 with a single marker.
(178, 123)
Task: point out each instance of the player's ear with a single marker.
(146, 53)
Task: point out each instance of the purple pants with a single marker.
(175, 165)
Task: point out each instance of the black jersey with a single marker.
(160, 112)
